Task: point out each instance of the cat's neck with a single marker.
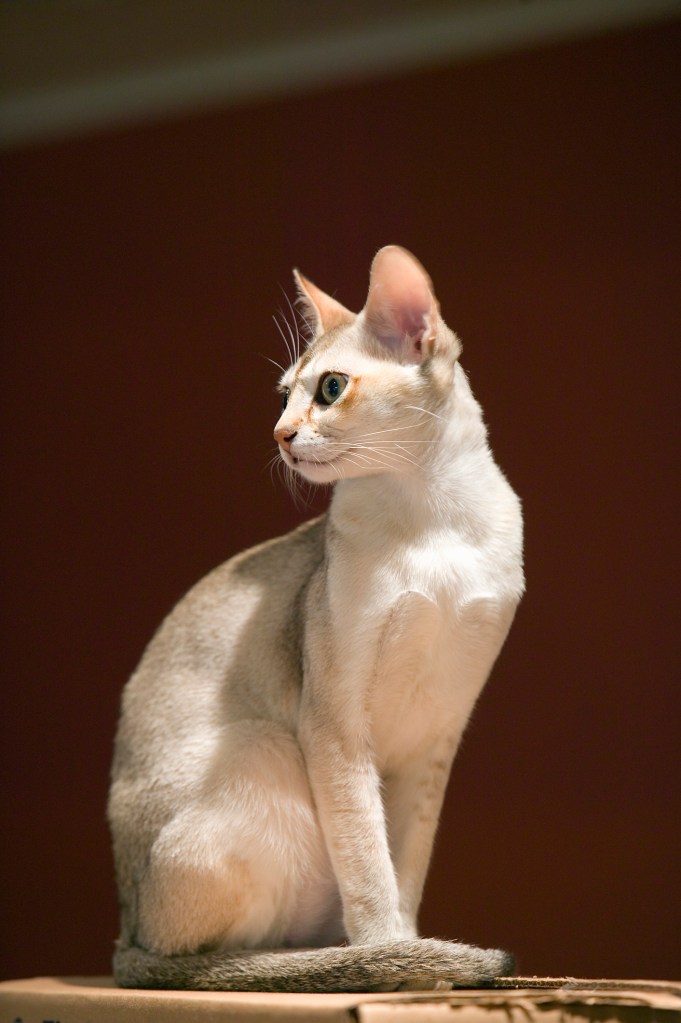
(442, 488)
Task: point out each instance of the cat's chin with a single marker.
(318, 471)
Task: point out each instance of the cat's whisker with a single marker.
(272, 465)
(294, 335)
(338, 469)
(360, 461)
(394, 453)
(274, 362)
(296, 315)
(284, 338)
(394, 429)
(291, 321)
(370, 456)
(400, 447)
(427, 412)
(289, 478)
(383, 444)
(389, 429)
(400, 443)
(297, 487)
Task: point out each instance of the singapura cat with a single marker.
(285, 743)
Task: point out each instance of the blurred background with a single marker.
(164, 166)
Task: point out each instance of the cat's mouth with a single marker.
(314, 461)
(312, 464)
(310, 461)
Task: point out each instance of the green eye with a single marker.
(331, 386)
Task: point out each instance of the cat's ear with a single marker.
(320, 312)
(401, 309)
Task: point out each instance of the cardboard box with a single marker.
(518, 1000)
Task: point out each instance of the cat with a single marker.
(284, 746)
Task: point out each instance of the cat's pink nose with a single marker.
(283, 437)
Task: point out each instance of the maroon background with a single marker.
(141, 271)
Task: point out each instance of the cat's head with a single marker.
(366, 394)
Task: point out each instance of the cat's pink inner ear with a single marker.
(320, 311)
(401, 309)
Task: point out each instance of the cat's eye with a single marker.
(284, 397)
(331, 386)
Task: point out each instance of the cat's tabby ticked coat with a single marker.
(285, 743)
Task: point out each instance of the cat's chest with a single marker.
(445, 569)
(406, 642)
(437, 632)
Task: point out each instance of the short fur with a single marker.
(285, 743)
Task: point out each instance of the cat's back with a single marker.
(265, 578)
(229, 648)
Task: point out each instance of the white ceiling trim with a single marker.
(294, 65)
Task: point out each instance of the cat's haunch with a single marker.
(285, 743)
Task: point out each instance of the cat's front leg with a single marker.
(347, 795)
(413, 797)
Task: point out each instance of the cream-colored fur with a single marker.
(285, 744)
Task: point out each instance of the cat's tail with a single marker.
(422, 963)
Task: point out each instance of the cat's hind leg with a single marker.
(229, 869)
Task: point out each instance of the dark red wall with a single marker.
(141, 271)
